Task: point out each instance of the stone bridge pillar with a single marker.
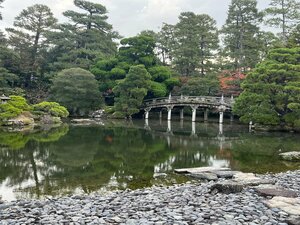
(147, 111)
(206, 115)
(221, 119)
(181, 114)
(194, 113)
(169, 108)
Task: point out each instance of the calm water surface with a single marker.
(118, 155)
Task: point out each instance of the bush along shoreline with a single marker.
(190, 203)
(15, 111)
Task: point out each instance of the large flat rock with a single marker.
(249, 179)
(290, 156)
(205, 176)
(289, 205)
(200, 170)
(276, 191)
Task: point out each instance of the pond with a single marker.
(113, 155)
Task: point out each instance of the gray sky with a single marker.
(129, 17)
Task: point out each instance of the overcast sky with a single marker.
(129, 17)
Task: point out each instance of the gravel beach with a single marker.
(190, 203)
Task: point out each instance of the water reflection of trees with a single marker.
(59, 161)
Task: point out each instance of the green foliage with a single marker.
(272, 91)
(87, 37)
(13, 108)
(203, 86)
(131, 91)
(196, 38)
(160, 73)
(157, 90)
(172, 82)
(138, 50)
(51, 108)
(283, 14)
(241, 34)
(28, 39)
(77, 90)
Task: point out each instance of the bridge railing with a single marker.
(189, 99)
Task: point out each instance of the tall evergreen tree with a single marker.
(272, 90)
(85, 38)
(166, 43)
(131, 91)
(28, 40)
(1, 1)
(284, 14)
(240, 32)
(196, 37)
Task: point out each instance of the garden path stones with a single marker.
(289, 205)
(276, 191)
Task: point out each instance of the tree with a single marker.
(87, 37)
(241, 40)
(1, 1)
(77, 90)
(284, 14)
(196, 37)
(294, 38)
(28, 40)
(138, 50)
(272, 91)
(166, 43)
(201, 86)
(131, 91)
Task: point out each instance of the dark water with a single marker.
(118, 155)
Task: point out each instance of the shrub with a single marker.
(51, 108)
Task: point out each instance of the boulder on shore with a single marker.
(21, 120)
(290, 156)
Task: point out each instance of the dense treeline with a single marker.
(84, 62)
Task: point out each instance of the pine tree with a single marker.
(272, 91)
(284, 14)
(131, 91)
(241, 34)
(196, 38)
(28, 40)
(85, 38)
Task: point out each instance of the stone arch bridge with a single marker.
(206, 103)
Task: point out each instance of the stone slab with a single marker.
(289, 205)
(275, 191)
(205, 176)
(200, 170)
(294, 220)
(290, 156)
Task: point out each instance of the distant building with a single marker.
(4, 99)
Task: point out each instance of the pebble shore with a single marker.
(190, 203)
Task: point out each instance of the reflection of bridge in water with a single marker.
(193, 138)
(206, 103)
(208, 144)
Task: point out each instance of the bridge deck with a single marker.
(200, 101)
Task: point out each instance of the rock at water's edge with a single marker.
(290, 156)
(205, 176)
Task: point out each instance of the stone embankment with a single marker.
(191, 203)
